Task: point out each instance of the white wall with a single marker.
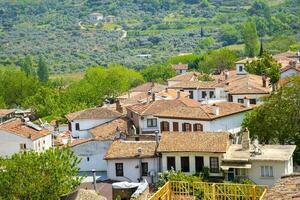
(10, 143)
(85, 125)
(95, 150)
(131, 171)
(143, 124)
(255, 172)
(238, 71)
(250, 96)
(289, 72)
(191, 156)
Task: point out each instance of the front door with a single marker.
(230, 174)
(199, 163)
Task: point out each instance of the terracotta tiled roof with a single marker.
(94, 113)
(287, 188)
(180, 66)
(185, 77)
(160, 105)
(193, 142)
(288, 67)
(156, 87)
(195, 84)
(203, 112)
(108, 130)
(80, 141)
(129, 149)
(4, 112)
(17, 127)
(285, 58)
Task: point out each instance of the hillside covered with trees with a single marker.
(141, 32)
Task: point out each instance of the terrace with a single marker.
(180, 190)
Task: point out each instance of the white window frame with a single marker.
(266, 171)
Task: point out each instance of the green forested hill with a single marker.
(62, 32)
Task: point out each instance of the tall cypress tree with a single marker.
(42, 72)
(250, 39)
(261, 50)
(27, 66)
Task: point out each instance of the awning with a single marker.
(226, 166)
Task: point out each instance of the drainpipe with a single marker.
(94, 179)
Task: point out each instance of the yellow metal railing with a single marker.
(209, 191)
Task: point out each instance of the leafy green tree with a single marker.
(277, 119)
(39, 176)
(265, 65)
(27, 65)
(42, 71)
(261, 9)
(205, 43)
(229, 34)
(158, 72)
(250, 39)
(190, 59)
(220, 59)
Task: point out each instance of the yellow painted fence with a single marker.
(180, 190)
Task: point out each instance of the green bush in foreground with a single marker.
(33, 175)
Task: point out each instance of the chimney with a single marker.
(246, 102)
(166, 90)
(246, 140)
(153, 96)
(152, 84)
(119, 107)
(178, 94)
(226, 73)
(216, 109)
(264, 80)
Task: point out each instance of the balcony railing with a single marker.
(180, 190)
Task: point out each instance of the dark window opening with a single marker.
(175, 126)
(185, 164)
(171, 163)
(252, 101)
(214, 164)
(77, 126)
(199, 163)
(119, 169)
(211, 94)
(88, 159)
(70, 126)
(144, 169)
(240, 100)
(164, 126)
(240, 68)
(186, 127)
(198, 127)
(191, 94)
(203, 94)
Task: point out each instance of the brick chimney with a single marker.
(226, 74)
(246, 102)
(264, 80)
(119, 108)
(246, 140)
(178, 94)
(153, 96)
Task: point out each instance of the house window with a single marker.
(240, 100)
(164, 126)
(203, 94)
(240, 172)
(23, 146)
(152, 122)
(171, 163)
(191, 94)
(175, 126)
(214, 164)
(144, 169)
(185, 164)
(240, 68)
(252, 101)
(88, 159)
(266, 171)
(211, 94)
(70, 126)
(186, 127)
(119, 169)
(44, 142)
(198, 127)
(199, 163)
(77, 128)
(131, 115)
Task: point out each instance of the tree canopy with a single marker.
(158, 73)
(250, 39)
(39, 176)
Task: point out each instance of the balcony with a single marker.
(180, 190)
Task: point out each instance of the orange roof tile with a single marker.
(94, 113)
(129, 149)
(17, 127)
(194, 142)
(4, 112)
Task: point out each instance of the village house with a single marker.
(240, 65)
(82, 121)
(187, 115)
(188, 76)
(91, 151)
(96, 16)
(263, 164)
(19, 135)
(191, 152)
(132, 161)
(180, 68)
(6, 114)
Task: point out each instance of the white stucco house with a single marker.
(91, 151)
(132, 161)
(263, 164)
(180, 68)
(17, 135)
(289, 71)
(82, 121)
(190, 152)
(186, 115)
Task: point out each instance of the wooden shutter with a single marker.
(175, 126)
